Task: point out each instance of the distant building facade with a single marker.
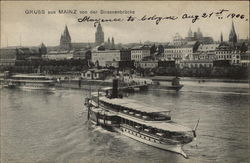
(59, 55)
(102, 56)
(95, 74)
(207, 47)
(147, 64)
(8, 56)
(125, 54)
(178, 53)
(196, 63)
(138, 53)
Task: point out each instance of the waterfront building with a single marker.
(59, 55)
(125, 54)
(96, 74)
(231, 52)
(245, 59)
(8, 56)
(210, 55)
(25, 52)
(178, 53)
(114, 64)
(101, 56)
(122, 65)
(65, 40)
(99, 35)
(207, 47)
(166, 64)
(138, 53)
(147, 64)
(233, 56)
(196, 63)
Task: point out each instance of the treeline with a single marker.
(232, 72)
(59, 66)
(48, 66)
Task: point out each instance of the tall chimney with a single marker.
(115, 88)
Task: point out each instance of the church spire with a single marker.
(66, 33)
(65, 40)
(233, 35)
(221, 37)
(112, 43)
(190, 33)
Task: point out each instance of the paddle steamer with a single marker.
(30, 81)
(147, 124)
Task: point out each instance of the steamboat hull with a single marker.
(52, 89)
(161, 87)
(137, 135)
(176, 148)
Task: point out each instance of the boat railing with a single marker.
(147, 132)
(145, 117)
(132, 113)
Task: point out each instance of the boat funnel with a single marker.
(115, 88)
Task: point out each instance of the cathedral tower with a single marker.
(99, 35)
(65, 41)
(190, 33)
(199, 34)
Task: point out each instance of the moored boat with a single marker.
(30, 81)
(166, 83)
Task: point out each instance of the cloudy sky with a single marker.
(32, 29)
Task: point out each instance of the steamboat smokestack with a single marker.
(115, 88)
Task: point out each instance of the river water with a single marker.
(52, 127)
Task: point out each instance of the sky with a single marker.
(19, 26)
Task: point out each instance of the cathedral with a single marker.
(99, 35)
(65, 40)
(198, 36)
(99, 39)
(195, 35)
(66, 44)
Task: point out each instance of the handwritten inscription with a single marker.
(129, 16)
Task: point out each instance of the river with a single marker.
(43, 127)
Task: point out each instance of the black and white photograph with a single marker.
(124, 82)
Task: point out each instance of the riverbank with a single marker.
(215, 80)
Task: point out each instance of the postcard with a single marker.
(124, 81)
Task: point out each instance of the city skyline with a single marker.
(48, 28)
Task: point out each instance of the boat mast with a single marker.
(98, 98)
